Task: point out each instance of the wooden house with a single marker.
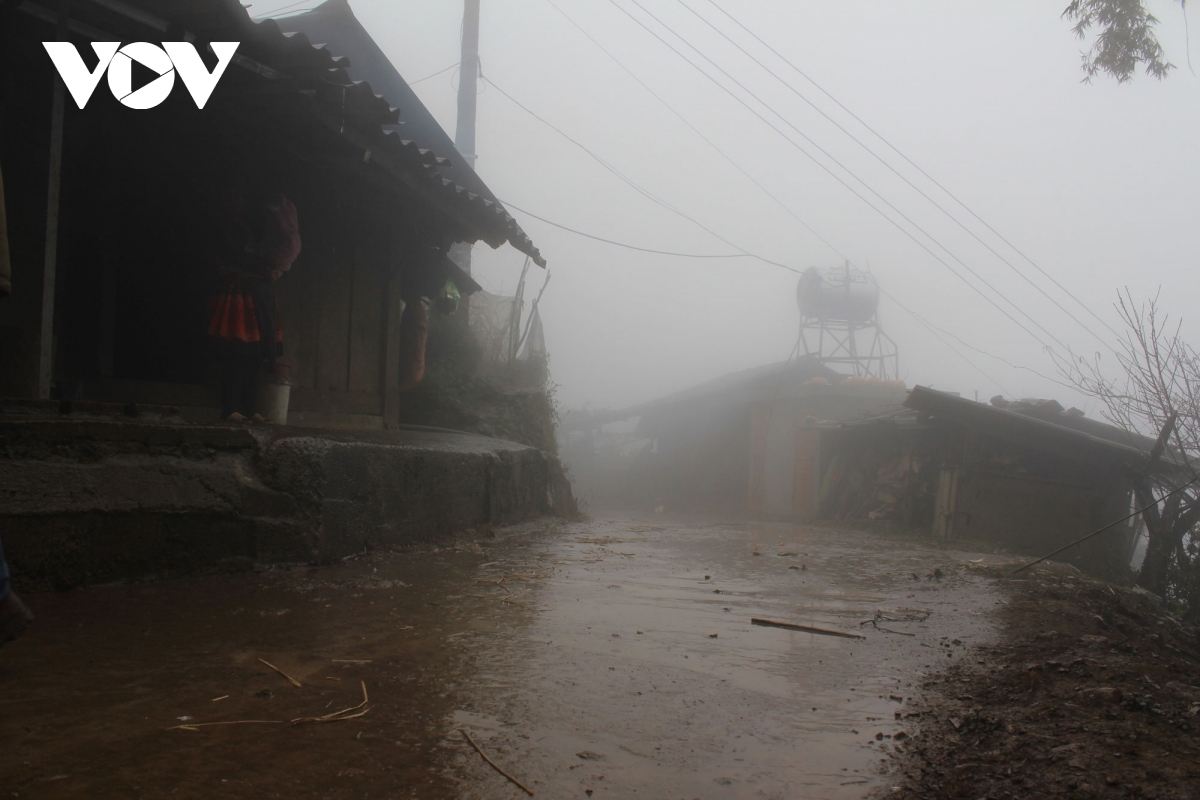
(1025, 476)
(110, 208)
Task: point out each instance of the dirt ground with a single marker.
(612, 658)
(1090, 691)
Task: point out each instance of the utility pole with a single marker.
(464, 131)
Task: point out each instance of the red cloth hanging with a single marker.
(414, 331)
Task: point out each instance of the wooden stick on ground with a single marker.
(194, 725)
(471, 741)
(499, 583)
(336, 715)
(292, 680)
(770, 623)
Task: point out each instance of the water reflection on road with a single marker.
(614, 657)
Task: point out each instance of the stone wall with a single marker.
(95, 500)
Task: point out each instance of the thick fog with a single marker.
(1099, 184)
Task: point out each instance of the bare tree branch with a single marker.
(1157, 374)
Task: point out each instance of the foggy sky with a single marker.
(1099, 184)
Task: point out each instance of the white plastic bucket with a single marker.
(273, 402)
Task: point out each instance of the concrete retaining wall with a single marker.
(94, 500)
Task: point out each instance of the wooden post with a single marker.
(53, 188)
(391, 350)
(464, 131)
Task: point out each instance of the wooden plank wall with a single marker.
(334, 304)
(368, 293)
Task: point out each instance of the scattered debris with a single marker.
(493, 764)
(340, 716)
(290, 679)
(901, 616)
(499, 582)
(768, 623)
(191, 726)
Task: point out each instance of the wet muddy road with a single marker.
(613, 658)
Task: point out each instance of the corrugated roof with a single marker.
(333, 23)
(1042, 425)
(408, 133)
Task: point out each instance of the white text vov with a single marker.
(117, 61)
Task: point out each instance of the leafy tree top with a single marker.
(1125, 38)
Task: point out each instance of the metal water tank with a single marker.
(844, 293)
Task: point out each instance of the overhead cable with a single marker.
(694, 129)
(272, 14)
(934, 332)
(507, 204)
(935, 329)
(434, 75)
(896, 172)
(915, 166)
(841, 180)
(629, 181)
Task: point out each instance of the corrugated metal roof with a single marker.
(408, 133)
(1044, 428)
(333, 23)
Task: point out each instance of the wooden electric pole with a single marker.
(464, 131)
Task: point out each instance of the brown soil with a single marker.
(1090, 693)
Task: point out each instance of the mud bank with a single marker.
(94, 499)
(1091, 691)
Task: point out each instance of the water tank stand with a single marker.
(861, 346)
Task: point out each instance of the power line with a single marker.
(272, 14)
(1099, 531)
(769, 194)
(896, 172)
(932, 328)
(629, 181)
(695, 130)
(841, 180)
(935, 329)
(632, 246)
(916, 166)
(434, 75)
(846, 169)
